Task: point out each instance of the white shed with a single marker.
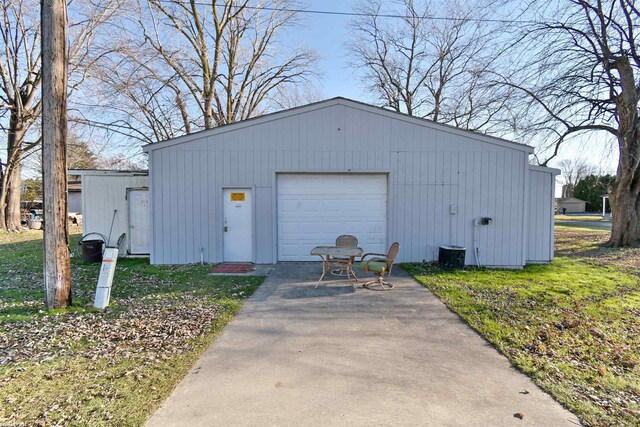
(271, 188)
(541, 210)
(121, 198)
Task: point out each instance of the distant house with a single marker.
(571, 204)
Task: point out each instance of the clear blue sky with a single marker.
(328, 35)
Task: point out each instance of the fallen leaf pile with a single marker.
(158, 328)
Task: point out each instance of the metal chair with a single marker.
(347, 241)
(380, 265)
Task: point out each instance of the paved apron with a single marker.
(296, 356)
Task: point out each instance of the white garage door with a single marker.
(315, 209)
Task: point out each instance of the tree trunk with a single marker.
(57, 274)
(12, 208)
(208, 111)
(625, 209)
(625, 191)
(183, 112)
(10, 187)
(3, 225)
(3, 201)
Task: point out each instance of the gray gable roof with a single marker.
(330, 102)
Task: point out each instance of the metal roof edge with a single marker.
(339, 100)
(241, 124)
(439, 126)
(567, 198)
(107, 172)
(546, 169)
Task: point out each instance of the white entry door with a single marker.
(238, 225)
(139, 222)
(315, 209)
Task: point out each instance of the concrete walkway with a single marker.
(295, 356)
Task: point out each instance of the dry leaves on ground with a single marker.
(589, 245)
(158, 328)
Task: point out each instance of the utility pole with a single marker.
(57, 269)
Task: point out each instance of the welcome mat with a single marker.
(232, 268)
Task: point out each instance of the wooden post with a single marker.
(57, 271)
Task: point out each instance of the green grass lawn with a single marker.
(114, 367)
(593, 218)
(573, 326)
(596, 226)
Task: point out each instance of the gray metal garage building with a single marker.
(273, 187)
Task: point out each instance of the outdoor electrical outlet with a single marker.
(453, 209)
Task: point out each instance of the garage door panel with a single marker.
(355, 204)
(288, 205)
(315, 209)
(317, 185)
(329, 230)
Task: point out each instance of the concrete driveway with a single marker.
(295, 356)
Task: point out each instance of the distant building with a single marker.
(115, 202)
(571, 204)
(74, 196)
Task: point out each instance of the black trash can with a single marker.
(451, 257)
(92, 250)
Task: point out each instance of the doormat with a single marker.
(232, 268)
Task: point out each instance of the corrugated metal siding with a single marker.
(540, 224)
(101, 194)
(429, 169)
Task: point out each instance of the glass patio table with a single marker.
(347, 256)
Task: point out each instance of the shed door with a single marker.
(315, 209)
(238, 225)
(139, 227)
(541, 222)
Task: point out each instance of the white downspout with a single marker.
(476, 249)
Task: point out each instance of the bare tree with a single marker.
(20, 78)
(291, 96)
(428, 66)
(142, 103)
(578, 75)
(20, 74)
(573, 170)
(79, 154)
(188, 65)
